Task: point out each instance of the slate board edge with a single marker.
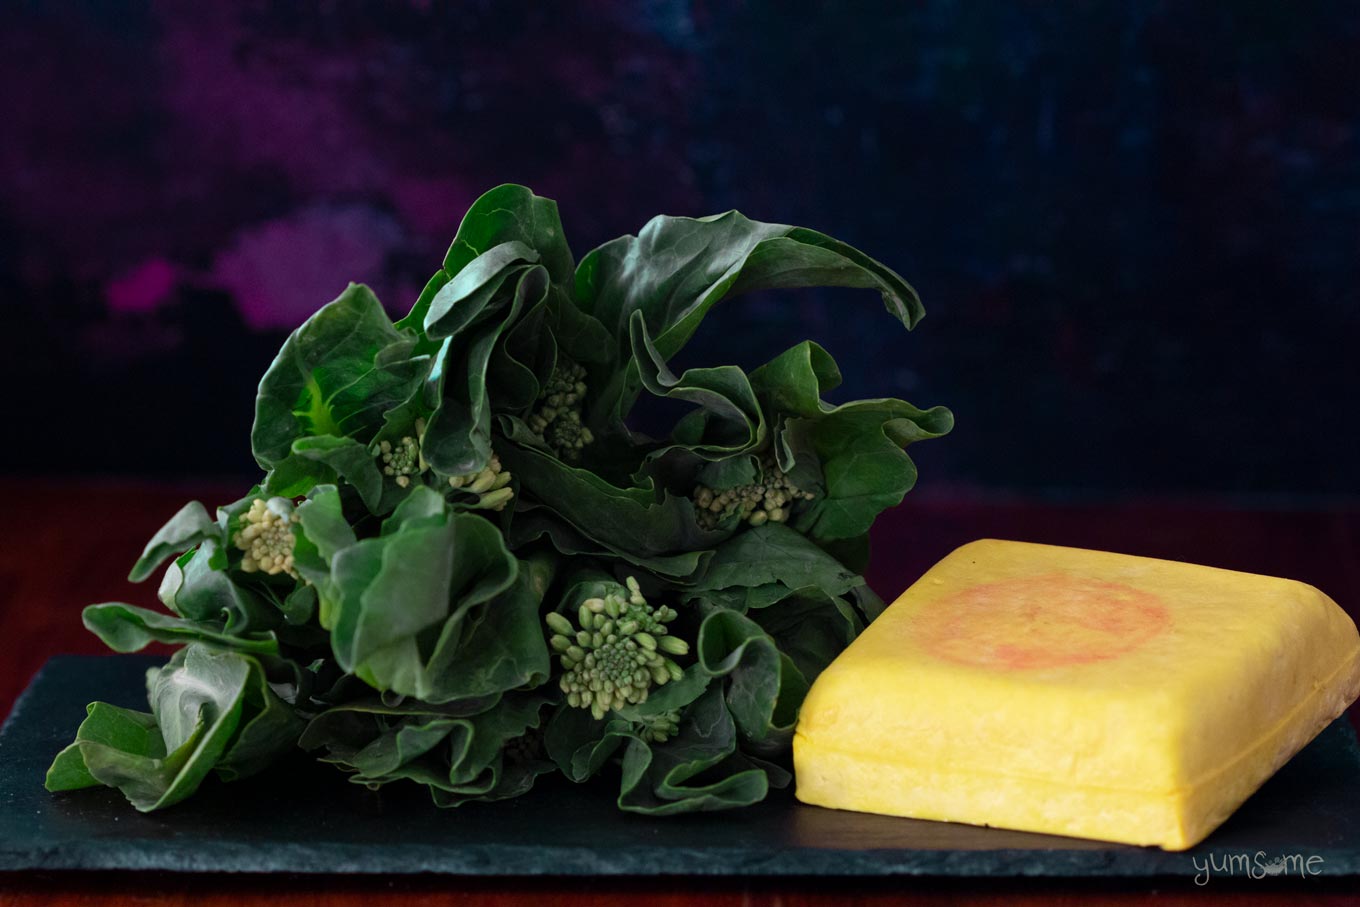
(530, 861)
(239, 857)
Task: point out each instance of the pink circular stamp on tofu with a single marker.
(1048, 621)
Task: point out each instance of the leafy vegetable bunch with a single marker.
(463, 568)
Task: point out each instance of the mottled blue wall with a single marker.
(1136, 226)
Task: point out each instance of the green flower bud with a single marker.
(490, 485)
(610, 657)
(659, 728)
(495, 500)
(483, 482)
(557, 420)
(673, 645)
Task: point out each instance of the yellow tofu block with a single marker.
(1076, 693)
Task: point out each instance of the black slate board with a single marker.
(306, 818)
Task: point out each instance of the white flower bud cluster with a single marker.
(401, 461)
(406, 459)
(266, 537)
(769, 500)
(489, 484)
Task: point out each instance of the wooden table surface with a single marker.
(66, 544)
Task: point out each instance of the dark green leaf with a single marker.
(68, 771)
(415, 319)
(322, 532)
(664, 779)
(338, 375)
(505, 649)
(511, 213)
(641, 519)
(157, 760)
(865, 468)
(408, 600)
(125, 628)
(535, 522)
(675, 695)
(811, 627)
(476, 291)
(730, 472)
(197, 589)
(185, 530)
(457, 754)
(571, 731)
(677, 268)
(458, 437)
(764, 688)
(269, 728)
(733, 420)
(858, 446)
(774, 553)
(105, 726)
(322, 459)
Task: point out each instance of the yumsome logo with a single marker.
(1257, 865)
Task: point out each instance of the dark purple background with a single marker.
(1136, 226)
